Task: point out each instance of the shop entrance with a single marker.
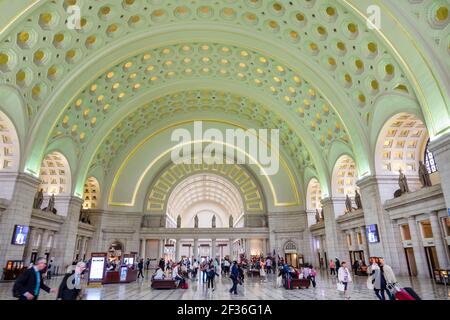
(291, 259)
(411, 262)
(432, 260)
(356, 256)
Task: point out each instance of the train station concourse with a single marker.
(257, 145)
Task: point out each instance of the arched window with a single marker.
(429, 159)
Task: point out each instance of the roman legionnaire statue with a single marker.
(51, 204)
(358, 200)
(213, 222)
(424, 176)
(178, 221)
(230, 221)
(196, 221)
(38, 199)
(348, 204)
(317, 216)
(403, 182)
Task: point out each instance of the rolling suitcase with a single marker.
(403, 295)
(412, 293)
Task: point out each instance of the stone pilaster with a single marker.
(441, 151)
(65, 239)
(195, 250)
(334, 239)
(161, 248)
(43, 245)
(419, 254)
(441, 248)
(29, 248)
(142, 248)
(213, 248)
(374, 213)
(178, 250)
(18, 213)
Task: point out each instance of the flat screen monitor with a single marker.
(123, 273)
(97, 269)
(20, 235)
(372, 233)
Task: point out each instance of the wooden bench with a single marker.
(253, 272)
(164, 284)
(300, 283)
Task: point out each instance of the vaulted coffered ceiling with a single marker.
(309, 67)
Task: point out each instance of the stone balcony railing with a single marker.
(424, 200)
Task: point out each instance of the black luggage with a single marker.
(412, 293)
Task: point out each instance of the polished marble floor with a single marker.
(253, 289)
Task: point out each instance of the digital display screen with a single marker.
(20, 235)
(128, 261)
(97, 268)
(372, 233)
(123, 273)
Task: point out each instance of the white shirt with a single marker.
(175, 272)
(159, 274)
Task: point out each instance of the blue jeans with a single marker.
(234, 287)
(204, 274)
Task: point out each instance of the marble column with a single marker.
(65, 240)
(440, 147)
(43, 245)
(195, 249)
(29, 247)
(142, 249)
(178, 250)
(422, 269)
(334, 237)
(213, 248)
(439, 243)
(374, 213)
(161, 248)
(18, 212)
(247, 248)
(365, 248)
(230, 244)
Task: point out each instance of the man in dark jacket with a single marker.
(140, 268)
(234, 277)
(70, 287)
(30, 282)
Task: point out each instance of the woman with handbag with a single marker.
(344, 278)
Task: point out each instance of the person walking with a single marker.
(70, 287)
(234, 277)
(30, 282)
(147, 264)
(312, 276)
(382, 277)
(344, 278)
(141, 268)
(332, 268)
(211, 274)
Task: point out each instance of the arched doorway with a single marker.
(291, 255)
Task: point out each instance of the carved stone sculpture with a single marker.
(38, 199)
(424, 176)
(230, 221)
(403, 182)
(348, 204)
(51, 204)
(196, 221)
(179, 221)
(317, 216)
(358, 200)
(213, 221)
